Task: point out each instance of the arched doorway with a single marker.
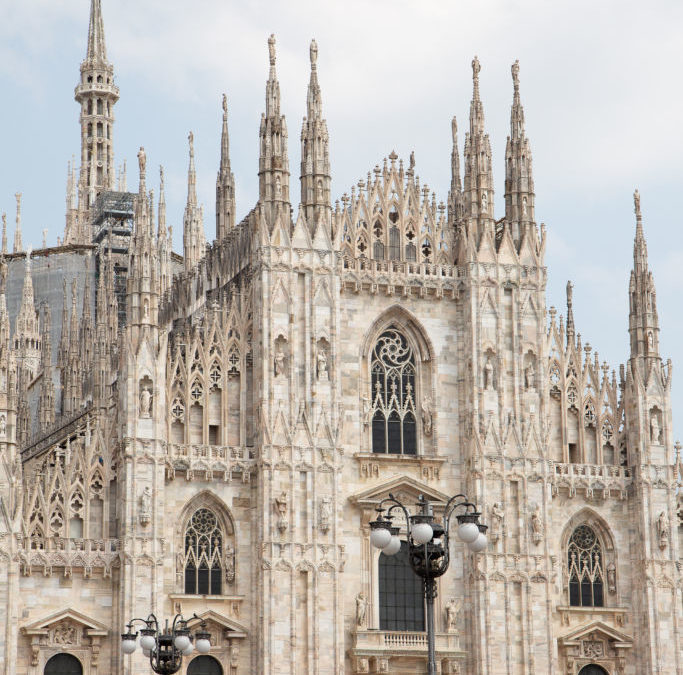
(593, 670)
(204, 665)
(63, 664)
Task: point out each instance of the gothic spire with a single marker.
(194, 241)
(46, 403)
(455, 206)
(519, 182)
(273, 158)
(315, 152)
(478, 182)
(643, 318)
(27, 330)
(225, 183)
(4, 233)
(97, 49)
(18, 247)
(161, 226)
(571, 331)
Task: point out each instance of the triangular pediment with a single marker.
(598, 629)
(236, 629)
(404, 488)
(42, 625)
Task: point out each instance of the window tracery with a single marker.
(585, 565)
(393, 371)
(203, 554)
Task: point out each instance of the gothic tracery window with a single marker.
(203, 554)
(393, 395)
(585, 564)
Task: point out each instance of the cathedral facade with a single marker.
(212, 432)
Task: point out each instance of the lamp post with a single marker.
(165, 647)
(428, 540)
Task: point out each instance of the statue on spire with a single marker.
(476, 68)
(190, 138)
(636, 203)
(454, 130)
(515, 74)
(271, 48)
(570, 292)
(225, 104)
(142, 161)
(314, 54)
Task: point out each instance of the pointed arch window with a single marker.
(394, 243)
(585, 564)
(393, 395)
(203, 554)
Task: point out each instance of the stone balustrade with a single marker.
(209, 461)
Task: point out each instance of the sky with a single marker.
(600, 84)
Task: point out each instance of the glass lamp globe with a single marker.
(146, 652)
(393, 547)
(468, 532)
(479, 544)
(148, 640)
(203, 645)
(182, 642)
(421, 533)
(188, 650)
(129, 645)
(380, 537)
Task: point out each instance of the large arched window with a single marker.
(393, 395)
(204, 665)
(203, 554)
(585, 565)
(401, 604)
(63, 664)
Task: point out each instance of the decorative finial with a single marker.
(454, 130)
(636, 203)
(271, 48)
(142, 161)
(190, 138)
(314, 54)
(225, 104)
(515, 74)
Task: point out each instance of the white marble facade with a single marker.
(220, 452)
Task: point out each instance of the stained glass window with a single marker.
(585, 564)
(203, 554)
(394, 427)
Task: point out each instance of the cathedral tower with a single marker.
(96, 93)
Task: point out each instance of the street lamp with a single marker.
(428, 553)
(166, 647)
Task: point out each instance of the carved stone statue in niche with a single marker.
(612, 578)
(663, 530)
(497, 517)
(3, 426)
(530, 376)
(279, 362)
(146, 506)
(229, 564)
(281, 504)
(322, 365)
(537, 529)
(367, 411)
(488, 375)
(145, 402)
(655, 431)
(325, 514)
(361, 609)
(452, 612)
(427, 415)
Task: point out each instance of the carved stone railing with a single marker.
(404, 641)
(68, 554)
(211, 461)
(595, 480)
(374, 650)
